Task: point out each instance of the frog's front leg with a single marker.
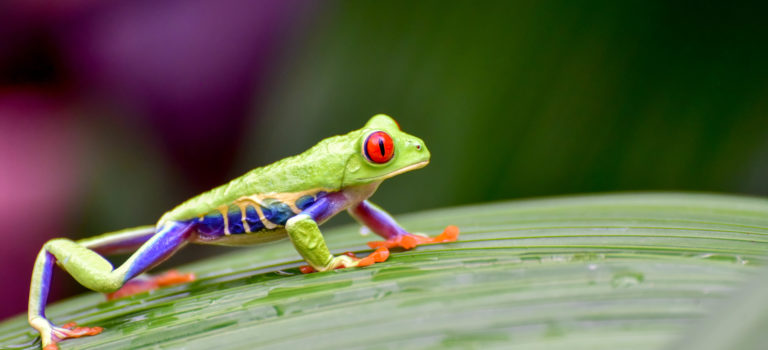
(308, 240)
(94, 272)
(380, 222)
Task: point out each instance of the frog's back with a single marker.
(318, 170)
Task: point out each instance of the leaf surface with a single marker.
(627, 271)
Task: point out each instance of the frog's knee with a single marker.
(58, 244)
(100, 281)
(86, 266)
(106, 285)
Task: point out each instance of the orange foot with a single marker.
(70, 330)
(143, 284)
(409, 241)
(380, 255)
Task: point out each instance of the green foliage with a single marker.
(532, 98)
(611, 271)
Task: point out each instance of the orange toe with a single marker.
(365, 262)
(450, 234)
(174, 277)
(390, 243)
(71, 330)
(140, 284)
(133, 287)
(78, 332)
(380, 255)
(410, 241)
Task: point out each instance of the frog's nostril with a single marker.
(418, 147)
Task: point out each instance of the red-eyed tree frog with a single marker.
(289, 198)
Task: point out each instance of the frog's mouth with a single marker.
(415, 166)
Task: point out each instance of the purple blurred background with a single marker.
(182, 75)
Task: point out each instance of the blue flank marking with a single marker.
(212, 224)
(277, 213)
(235, 221)
(252, 218)
(304, 202)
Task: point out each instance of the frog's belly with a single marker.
(239, 239)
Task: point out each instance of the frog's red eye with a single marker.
(379, 147)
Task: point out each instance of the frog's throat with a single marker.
(418, 165)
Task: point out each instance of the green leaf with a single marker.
(737, 323)
(627, 271)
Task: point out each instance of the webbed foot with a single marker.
(143, 284)
(350, 260)
(69, 330)
(410, 241)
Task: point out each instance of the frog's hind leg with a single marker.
(94, 272)
(126, 241)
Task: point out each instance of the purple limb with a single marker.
(378, 220)
(45, 281)
(168, 239)
(327, 206)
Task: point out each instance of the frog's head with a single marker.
(382, 150)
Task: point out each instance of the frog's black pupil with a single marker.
(381, 147)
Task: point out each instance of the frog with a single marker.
(286, 199)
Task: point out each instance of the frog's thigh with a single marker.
(94, 272)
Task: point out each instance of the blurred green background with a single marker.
(521, 99)
(513, 98)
